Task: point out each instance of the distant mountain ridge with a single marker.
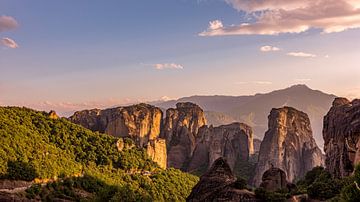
(254, 109)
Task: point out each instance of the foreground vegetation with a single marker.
(318, 184)
(79, 163)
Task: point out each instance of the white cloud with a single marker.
(274, 17)
(301, 54)
(269, 48)
(216, 24)
(161, 66)
(7, 23)
(9, 43)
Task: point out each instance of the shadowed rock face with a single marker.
(233, 141)
(342, 137)
(141, 122)
(219, 184)
(288, 144)
(274, 179)
(180, 130)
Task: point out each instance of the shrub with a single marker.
(18, 170)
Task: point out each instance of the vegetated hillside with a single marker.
(35, 145)
(253, 110)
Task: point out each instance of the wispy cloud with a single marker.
(273, 17)
(7, 23)
(301, 54)
(216, 24)
(162, 66)
(9, 43)
(269, 48)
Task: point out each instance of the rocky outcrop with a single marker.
(341, 134)
(219, 184)
(180, 130)
(53, 115)
(288, 144)
(141, 123)
(233, 142)
(156, 149)
(274, 179)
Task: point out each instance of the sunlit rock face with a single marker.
(219, 184)
(233, 142)
(156, 150)
(141, 123)
(180, 129)
(342, 137)
(288, 144)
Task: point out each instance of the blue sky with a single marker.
(76, 54)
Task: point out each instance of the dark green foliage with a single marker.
(33, 191)
(18, 170)
(34, 145)
(278, 196)
(350, 191)
(240, 183)
(319, 184)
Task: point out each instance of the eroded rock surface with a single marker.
(288, 144)
(342, 137)
(233, 141)
(180, 130)
(141, 123)
(274, 179)
(219, 184)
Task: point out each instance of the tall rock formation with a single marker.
(233, 141)
(219, 184)
(141, 122)
(180, 130)
(288, 144)
(342, 137)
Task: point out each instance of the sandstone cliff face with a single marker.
(288, 144)
(219, 184)
(156, 150)
(180, 130)
(141, 122)
(341, 134)
(233, 142)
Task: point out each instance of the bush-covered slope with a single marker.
(33, 145)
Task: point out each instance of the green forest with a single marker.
(81, 164)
